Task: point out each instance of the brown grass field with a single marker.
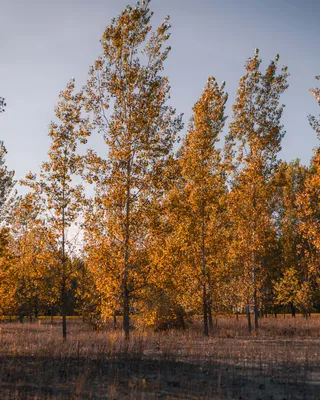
(280, 361)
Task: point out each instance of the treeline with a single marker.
(168, 228)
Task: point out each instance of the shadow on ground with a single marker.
(124, 378)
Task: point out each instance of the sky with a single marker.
(44, 43)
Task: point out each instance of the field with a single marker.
(280, 361)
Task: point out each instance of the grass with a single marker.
(280, 361)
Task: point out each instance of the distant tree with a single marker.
(34, 259)
(8, 303)
(60, 198)
(309, 204)
(7, 199)
(288, 271)
(7, 182)
(86, 293)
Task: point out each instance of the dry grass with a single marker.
(281, 361)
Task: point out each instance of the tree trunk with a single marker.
(115, 320)
(210, 315)
(204, 278)
(64, 311)
(255, 296)
(125, 291)
(30, 310)
(63, 260)
(36, 307)
(181, 317)
(205, 311)
(249, 318)
(126, 314)
(293, 310)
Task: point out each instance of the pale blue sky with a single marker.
(44, 43)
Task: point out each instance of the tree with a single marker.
(34, 259)
(60, 198)
(8, 304)
(7, 199)
(128, 98)
(203, 189)
(286, 275)
(253, 143)
(309, 226)
(7, 182)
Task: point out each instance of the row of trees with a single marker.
(164, 233)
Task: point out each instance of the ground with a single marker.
(280, 361)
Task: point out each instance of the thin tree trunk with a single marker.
(115, 320)
(126, 314)
(205, 311)
(204, 286)
(210, 303)
(63, 286)
(64, 311)
(255, 296)
(249, 318)
(30, 310)
(36, 309)
(125, 291)
(210, 315)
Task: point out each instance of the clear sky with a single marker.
(44, 43)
